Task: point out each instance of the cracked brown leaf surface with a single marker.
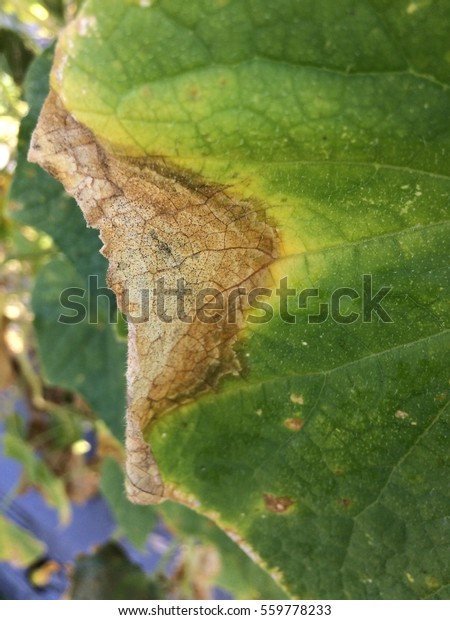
(154, 224)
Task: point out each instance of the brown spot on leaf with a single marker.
(440, 397)
(293, 424)
(194, 93)
(277, 504)
(346, 503)
(155, 222)
(297, 399)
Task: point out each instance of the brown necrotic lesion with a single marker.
(161, 224)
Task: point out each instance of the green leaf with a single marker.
(328, 455)
(86, 356)
(366, 486)
(37, 474)
(17, 546)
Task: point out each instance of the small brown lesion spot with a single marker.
(440, 397)
(432, 582)
(293, 424)
(346, 503)
(297, 399)
(194, 93)
(277, 504)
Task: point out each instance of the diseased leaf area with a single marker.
(74, 356)
(358, 495)
(327, 455)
